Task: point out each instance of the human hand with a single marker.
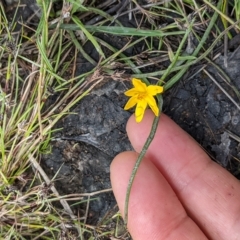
(178, 192)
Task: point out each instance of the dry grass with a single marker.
(35, 64)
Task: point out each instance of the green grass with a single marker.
(35, 64)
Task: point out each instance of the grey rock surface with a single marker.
(95, 131)
(90, 138)
(201, 108)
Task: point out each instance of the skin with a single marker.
(179, 192)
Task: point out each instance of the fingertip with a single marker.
(191, 173)
(146, 123)
(154, 211)
(147, 119)
(138, 132)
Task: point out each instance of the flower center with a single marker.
(141, 96)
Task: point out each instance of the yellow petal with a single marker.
(140, 109)
(152, 104)
(131, 103)
(131, 92)
(154, 89)
(139, 85)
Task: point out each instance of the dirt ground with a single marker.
(94, 132)
(92, 136)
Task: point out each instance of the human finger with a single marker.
(155, 212)
(208, 192)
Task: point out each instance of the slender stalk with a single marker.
(141, 156)
(156, 119)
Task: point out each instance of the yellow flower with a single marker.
(142, 95)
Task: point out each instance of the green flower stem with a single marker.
(170, 83)
(141, 156)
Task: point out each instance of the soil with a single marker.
(94, 132)
(201, 108)
(92, 136)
